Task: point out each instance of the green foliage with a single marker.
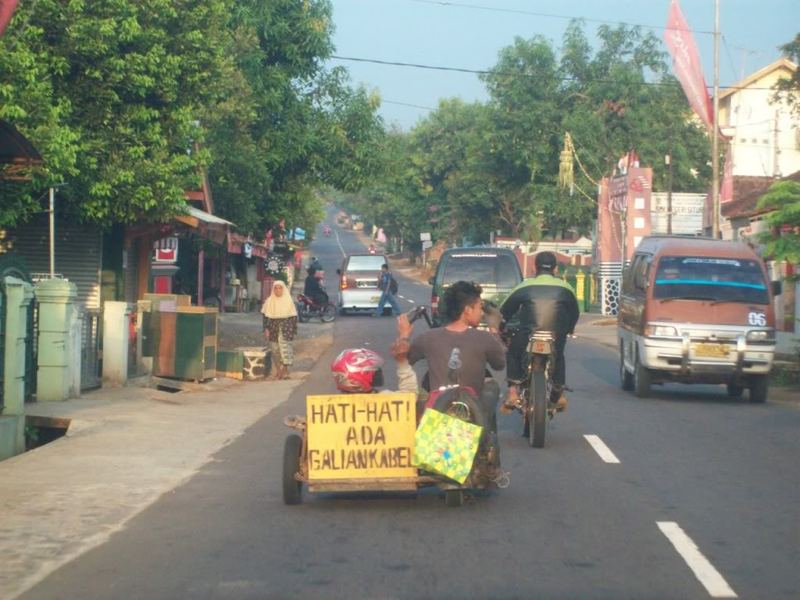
(470, 169)
(783, 242)
(286, 126)
(117, 115)
(126, 100)
(788, 89)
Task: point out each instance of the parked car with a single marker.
(496, 270)
(696, 310)
(358, 282)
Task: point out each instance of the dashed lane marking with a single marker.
(602, 450)
(339, 242)
(711, 579)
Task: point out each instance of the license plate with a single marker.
(375, 299)
(539, 347)
(711, 350)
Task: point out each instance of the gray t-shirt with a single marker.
(476, 349)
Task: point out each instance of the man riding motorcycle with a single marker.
(360, 370)
(313, 286)
(543, 302)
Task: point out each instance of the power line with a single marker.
(542, 14)
(407, 104)
(495, 72)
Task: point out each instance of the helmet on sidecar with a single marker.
(357, 370)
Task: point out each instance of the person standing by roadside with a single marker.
(280, 327)
(388, 287)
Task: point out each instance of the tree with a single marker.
(286, 125)
(788, 89)
(116, 86)
(783, 241)
(486, 166)
(127, 100)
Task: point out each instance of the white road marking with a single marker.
(339, 242)
(714, 583)
(602, 450)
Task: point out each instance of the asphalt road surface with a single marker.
(683, 495)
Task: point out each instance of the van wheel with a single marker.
(641, 379)
(734, 390)
(759, 386)
(625, 378)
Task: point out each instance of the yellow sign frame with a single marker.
(361, 436)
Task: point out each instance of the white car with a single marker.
(358, 282)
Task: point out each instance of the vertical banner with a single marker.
(686, 62)
(726, 189)
(7, 8)
(609, 229)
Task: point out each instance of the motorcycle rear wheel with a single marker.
(328, 313)
(537, 415)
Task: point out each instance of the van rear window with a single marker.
(483, 269)
(710, 278)
(373, 262)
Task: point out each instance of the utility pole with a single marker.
(52, 233)
(776, 151)
(668, 160)
(715, 132)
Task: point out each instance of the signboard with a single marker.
(361, 436)
(424, 237)
(427, 244)
(166, 250)
(618, 193)
(687, 213)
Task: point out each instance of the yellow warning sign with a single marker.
(352, 436)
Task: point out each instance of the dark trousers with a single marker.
(516, 357)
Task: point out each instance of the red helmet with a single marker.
(357, 370)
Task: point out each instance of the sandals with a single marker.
(282, 372)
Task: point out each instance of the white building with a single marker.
(765, 136)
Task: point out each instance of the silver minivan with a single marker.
(358, 282)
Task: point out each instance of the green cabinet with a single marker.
(182, 341)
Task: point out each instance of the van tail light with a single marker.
(343, 284)
(435, 305)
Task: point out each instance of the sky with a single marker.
(469, 34)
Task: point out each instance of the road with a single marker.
(704, 501)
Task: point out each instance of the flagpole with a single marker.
(715, 132)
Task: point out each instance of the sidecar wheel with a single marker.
(292, 488)
(454, 498)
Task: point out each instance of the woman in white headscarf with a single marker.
(280, 327)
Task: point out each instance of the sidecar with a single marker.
(365, 443)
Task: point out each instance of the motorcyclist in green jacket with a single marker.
(544, 302)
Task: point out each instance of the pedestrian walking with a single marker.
(280, 327)
(388, 286)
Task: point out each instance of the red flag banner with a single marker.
(686, 62)
(6, 10)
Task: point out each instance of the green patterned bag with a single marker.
(446, 445)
